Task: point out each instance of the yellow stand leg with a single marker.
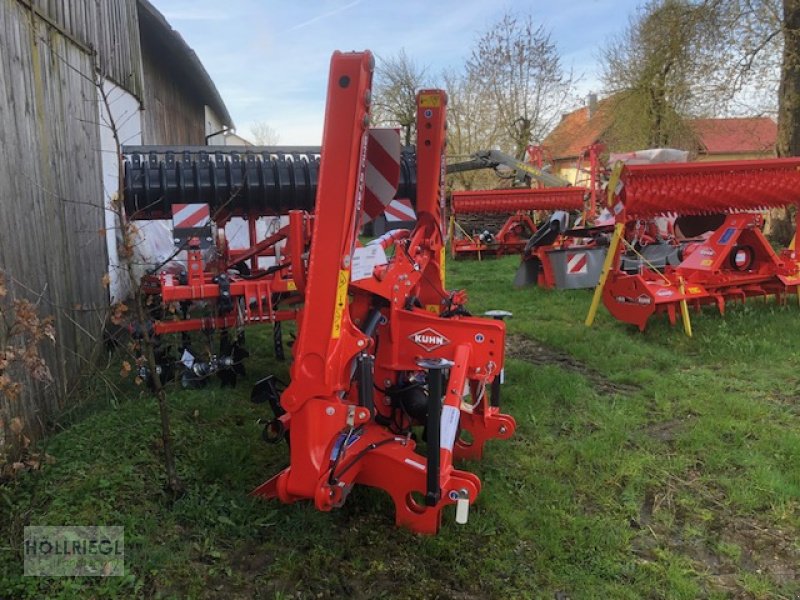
(687, 323)
(451, 235)
(619, 229)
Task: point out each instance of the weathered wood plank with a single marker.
(50, 194)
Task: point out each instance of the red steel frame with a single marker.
(593, 153)
(251, 298)
(735, 262)
(324, 402)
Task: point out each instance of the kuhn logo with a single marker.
(429, 339)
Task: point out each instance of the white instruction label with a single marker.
(365, 260)
(449, 426)
(187, 359)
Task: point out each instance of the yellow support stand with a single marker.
(687, 323)
(619, 229)
(451, 235)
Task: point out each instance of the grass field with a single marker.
(644, 466)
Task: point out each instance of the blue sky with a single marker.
(270, 58)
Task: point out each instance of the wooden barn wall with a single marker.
(172, 114)
(110, 27)
(52, 248)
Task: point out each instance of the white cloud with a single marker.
(324, 15)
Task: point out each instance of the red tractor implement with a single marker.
(734, 262)
(383, 349)
(519, 226)
(557, 256)
(209, 286)
(519, 203)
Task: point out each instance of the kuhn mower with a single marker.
(733, 263)
(385, 355)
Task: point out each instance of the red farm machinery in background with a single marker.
(537, 191)
(383, 349)
(731, 261)
(519, 227)
(568, 248)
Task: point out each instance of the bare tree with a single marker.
(471, 126)
(145, 346)
(688, 58)
(649, 71)
(788, 143)
(517, 66)
(740, 56)
(398, 78)
(263, 134)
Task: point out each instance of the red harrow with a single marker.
(543, 192)
(735, 262)
(383, 350)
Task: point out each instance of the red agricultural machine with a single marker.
(518, 228)
(732, 260)
(564, 257)
(382, 347)
(214, 287)
(385, 357)
(519, 204)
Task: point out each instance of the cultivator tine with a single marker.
(240, 353)
(277, 341)
(231, 358)
(226, 375)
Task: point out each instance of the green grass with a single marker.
(684, 484)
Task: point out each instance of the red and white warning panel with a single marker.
(382, 171)
(191, 221)
(577, 263)
(400, 210)
(189, 216)
(574, 269)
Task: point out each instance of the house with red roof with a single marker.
(734, 139)
(714, 139)
(569, 141)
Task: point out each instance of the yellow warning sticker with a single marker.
(291, 285)
(707, 262)
(432, 308)
(341, 302)
(442, 255)
(695, 290)
(430, 100)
